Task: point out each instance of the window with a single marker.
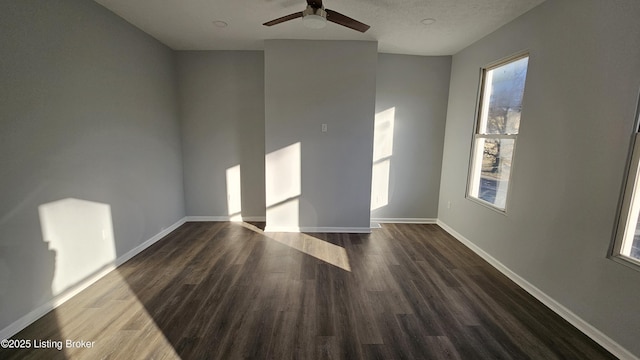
(627, 239)
(497, 126)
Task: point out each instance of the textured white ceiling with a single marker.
(395, 24)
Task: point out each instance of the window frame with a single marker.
(478, 122)
(630, 192)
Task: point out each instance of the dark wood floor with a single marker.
(229, 291)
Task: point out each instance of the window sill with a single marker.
(626, 261)
(487, 205)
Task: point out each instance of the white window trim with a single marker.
(482, 110)
(630, 205)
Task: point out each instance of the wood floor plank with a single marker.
(324, 301)
(225, 290)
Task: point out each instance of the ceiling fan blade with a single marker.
(283, 19)
(316, 4)
(344, 20)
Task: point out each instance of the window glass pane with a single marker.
(634, 249)
(631, 242)
(502, 98)
(491, 179)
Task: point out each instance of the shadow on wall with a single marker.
(382, 153)
(27, 269)
(26, 274)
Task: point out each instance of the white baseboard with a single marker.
(588, 329)
(60, 299)
(207, 218)
(290, 229)
(348, 230)
(138, 249)
(404, 220)
(254, 218)
(225, 218)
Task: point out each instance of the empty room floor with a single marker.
(222, 290)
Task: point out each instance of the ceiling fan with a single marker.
(316, 16)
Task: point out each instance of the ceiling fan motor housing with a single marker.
(314, 17)
(314, 11)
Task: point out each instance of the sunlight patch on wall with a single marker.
(283, 186)
(234, 193)
(81, 234)
(380, 184)
(284, 216)
(382, 152)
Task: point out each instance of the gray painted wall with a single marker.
(89, 139)
(222, 113)
(89, 125)
(309, 83)
(577, 119)
(417, 88)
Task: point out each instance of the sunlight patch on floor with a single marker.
(310, 245)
